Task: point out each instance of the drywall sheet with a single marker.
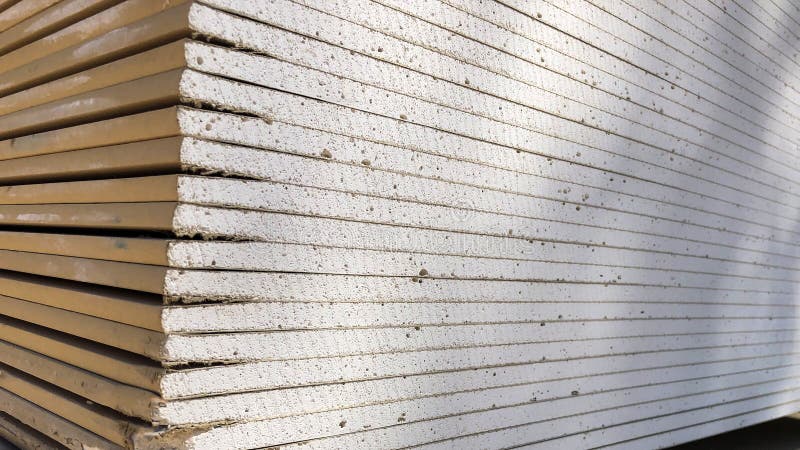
(386, 224)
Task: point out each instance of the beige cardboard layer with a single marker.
(121, 130)
(151, 32)
(132, 159)
(102, 421)
(19, 11)
(50, 20)
(48, 426)
(157, 60)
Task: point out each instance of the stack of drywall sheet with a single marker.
(382, 224)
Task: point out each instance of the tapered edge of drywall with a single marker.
(150, 251)
(5, 4)
(20, 11)
(128, 97)
(158, 156)
(126, 337)
(47, 424)
(95, 31)
(156, 216)
(156, 124)
(95, 418)
(160, 59)
(50, 20)
(128, 400)
(149, 189)
(149, 32)
(22, 436)
(104, 360)
(142, 277)
(130, 307)
(81, 424)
